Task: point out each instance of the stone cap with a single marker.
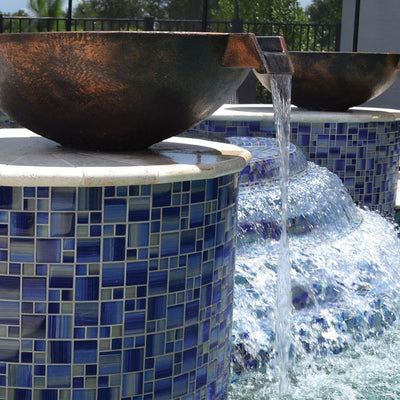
(27, 159)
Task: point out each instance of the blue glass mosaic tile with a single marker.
(115, 287)
(335, 145)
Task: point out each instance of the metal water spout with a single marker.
(276, 56)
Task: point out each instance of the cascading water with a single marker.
(281, 88)
(324, 315)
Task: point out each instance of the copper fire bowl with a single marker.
(120, 90)
(336, 81)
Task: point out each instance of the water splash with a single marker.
(345, 286)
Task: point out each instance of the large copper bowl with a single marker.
(336, 81)
(120, 90)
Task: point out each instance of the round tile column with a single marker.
(116, 270)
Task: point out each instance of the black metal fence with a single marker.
(299, 37)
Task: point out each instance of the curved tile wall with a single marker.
(361, 145)
(117, 291)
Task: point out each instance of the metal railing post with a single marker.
(149, 23)
(338, 36)
(68, 24)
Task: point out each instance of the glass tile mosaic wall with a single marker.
(117, 292)
(364, 155)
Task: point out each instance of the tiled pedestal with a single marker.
(361, 146)
(116, 270)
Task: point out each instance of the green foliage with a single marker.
(261, 10)
(325, 11)
(47, 8)
(185, 9)
(110, 9)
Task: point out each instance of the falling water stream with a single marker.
(281, 90)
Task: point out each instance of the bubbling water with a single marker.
(344, 289)
(312, 322)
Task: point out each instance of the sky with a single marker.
(11, 6)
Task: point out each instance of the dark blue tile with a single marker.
(58, 376)
(162, 389)
(158, 282)
(22, 394)
(197, 194)
(134, 322)
(62, 224)
(48, 250)
(20, 375)
(162, 195)
(10, 198)
(109, 191)
(169, 244)
(134, 190)
(9, 350)
(59, 326)
(115, 210)
(207, 273)
(60, 351)
(155, 345)
(170, 219)
(43, 192)
(112, 393)
(196, 215)
(22, 224)
(188, 241)
(29, 191)
(63, 198)
(132, 385)
(9, 287)
(22, 250)
(86, 288)
(3, 230)
(113, 274)
(191, 336)
(40, 370)
(84, 394)
(201, 377)
(90, 198)
(189, 359)
(34, 288)
(114, 249)
(61, 276)
(86, 314)
(53, 308)
(110, 362)
(192, 312)
(163, 367)
(175, 316)
(112, 312)
(139, 209)
(181, 383)
(212, 189)
(156, 307)
(88, 250)
(137, 273)
(46, 394)
(133, 360)
(177, 280)
(85, 351)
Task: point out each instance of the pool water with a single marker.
(345, 285)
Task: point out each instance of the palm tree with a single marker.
(47, 8)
